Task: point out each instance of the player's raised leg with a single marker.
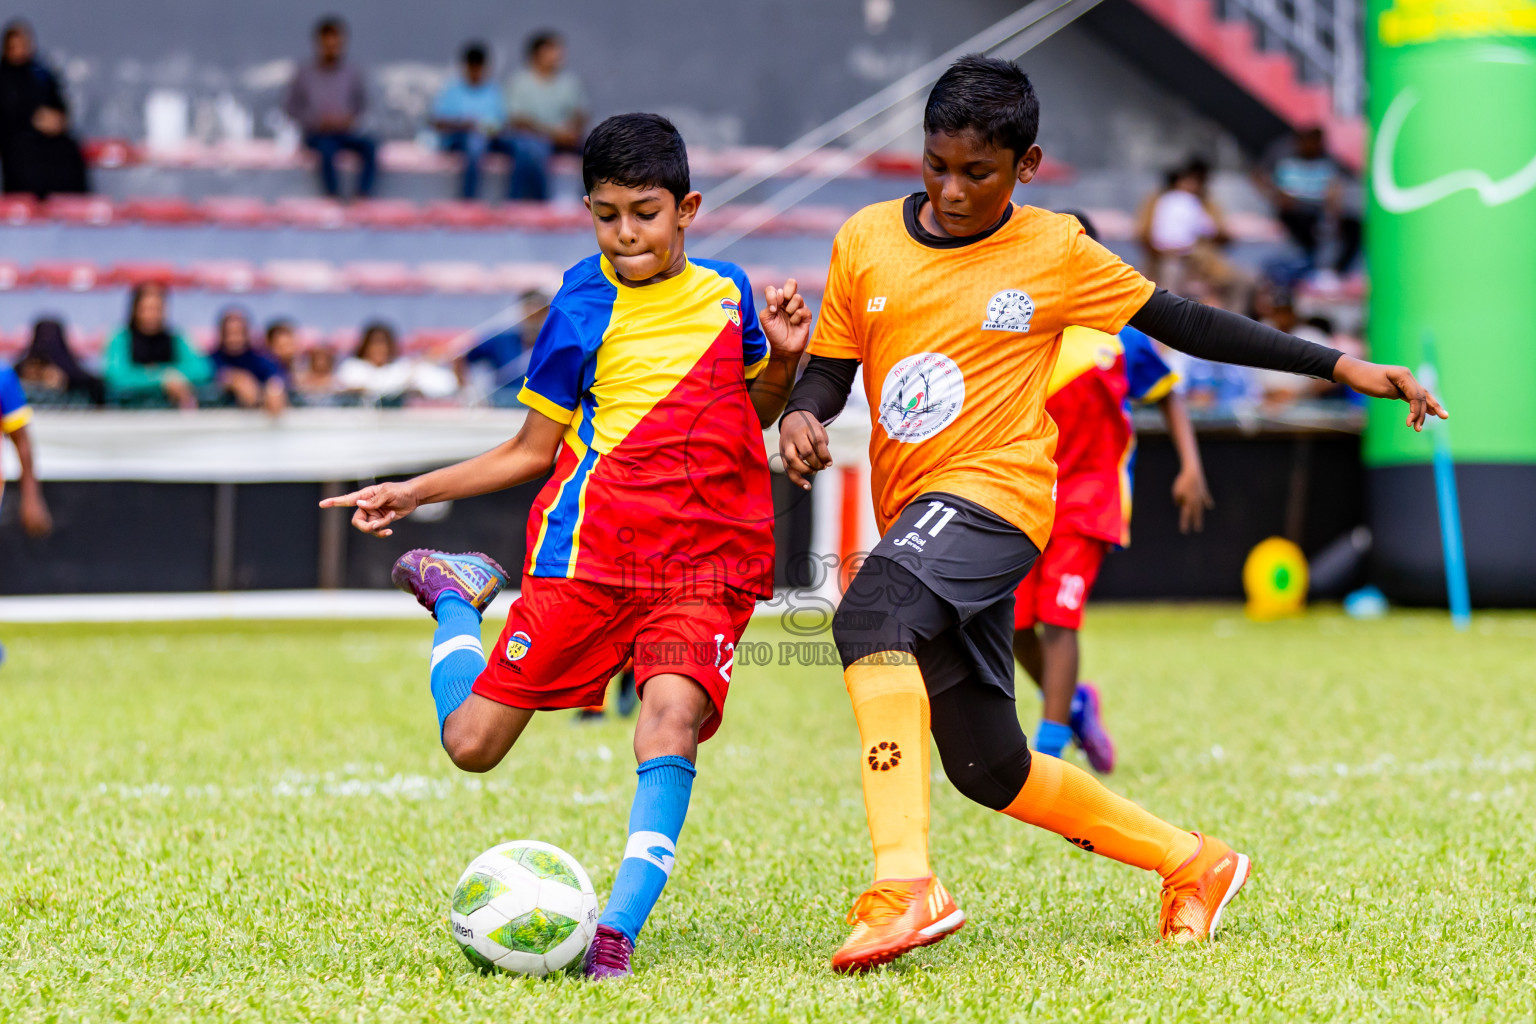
(666, 746)
(987, 758)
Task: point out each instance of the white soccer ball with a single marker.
(524, 907)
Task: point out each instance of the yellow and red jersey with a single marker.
(1097, 376)
(661, 476)
(958, 344)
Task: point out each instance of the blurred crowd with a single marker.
(149, 363)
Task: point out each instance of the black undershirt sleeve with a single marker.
(823, 388)
(1224, 337)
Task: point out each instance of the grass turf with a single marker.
(254, 822)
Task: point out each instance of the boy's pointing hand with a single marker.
(785, 319)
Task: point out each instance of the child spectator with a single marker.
(50, 372)
(37, 153)
(283, 348)
(247, 376)
(375, 372)
(146, 362)
(315, 383)
(547, 108)
(470, 118)
(327, 99)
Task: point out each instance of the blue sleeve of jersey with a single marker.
(1149, 377)
(557, 368)
(754, 344)
(15, 413)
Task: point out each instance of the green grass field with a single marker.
(254, 822)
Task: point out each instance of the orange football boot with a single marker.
(895, 916)
(1200, 889)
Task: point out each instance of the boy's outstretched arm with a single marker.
(526, 457)
(1228, 338)
(1190, 491)
(786, 323)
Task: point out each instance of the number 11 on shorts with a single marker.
(944, 512)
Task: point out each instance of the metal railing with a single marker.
(1324, 37)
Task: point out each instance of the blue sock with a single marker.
(457, 657)
(1052, 737)
(655, 819)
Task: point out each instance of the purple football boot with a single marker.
(608, 955)
(427, 575)
(1088, 729)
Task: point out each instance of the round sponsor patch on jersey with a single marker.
(922, 395)
(517, 645)
(1009, 310)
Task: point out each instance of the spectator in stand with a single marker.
(327, 99)
(146, 362)
(247, 376)
(1279, 393)
(1307, 187)
(492, 371)
(1184, 234)
(283, 348)
(375, 372)
(470, 118)
(37, 153)
(50, 372)
(15, 414)
(315, 383)
(548, 113)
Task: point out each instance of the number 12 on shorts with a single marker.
(936, 508)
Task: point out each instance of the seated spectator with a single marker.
(492, 371)
(1185, 236)
(51, 373)
(375, 372)
(247, 376)
(37, 153)
(1307, 187)
(548, 113)
(471, 119)
(283, 348)
(315, 382)
(1284, 389)
(146, 362)
(327, 99)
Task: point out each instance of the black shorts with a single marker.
(972, 560)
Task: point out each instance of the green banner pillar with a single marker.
(1451, 243)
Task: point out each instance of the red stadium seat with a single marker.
(13, 276)
(304, 275)
(457, 214)
(239, 211)
(386, 213)
(381, 277)
(92, 210)
(518, 278)
(74, 275)
(310, 212)
(435, 343)
(894, 163)
(109, 152)
(17, 210)
(236, 276)
(136, 272)
(88, 344)
(162, 210)
(457, 277)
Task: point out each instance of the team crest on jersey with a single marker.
(733, 309)
(517, 645)
(922, 395)
(1009, 310)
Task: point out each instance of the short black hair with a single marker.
(330, 23)
(474, 54)
(986, 95)
(282, 323)
(636, 151)
(540, 39)
(1082, 218)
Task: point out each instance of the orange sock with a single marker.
(891, 705)
(1066, 800)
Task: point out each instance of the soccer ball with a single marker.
(525, 908)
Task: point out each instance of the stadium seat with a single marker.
(73, 275)
(88, 344)
(136, 272)
(435, 343)
(238, 211)
(460, 277)
(518, 278)
(162, 210)
(237, 276)
(381, 277)
(460, 215)
(13, 275)
(95, 211)
(17, 210)
(304, 275)
(110, 152)
(386, 213)
(310, 212)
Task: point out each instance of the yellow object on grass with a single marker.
(1275, 580)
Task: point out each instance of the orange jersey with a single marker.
(958, 343)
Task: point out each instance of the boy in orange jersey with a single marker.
(954, 299)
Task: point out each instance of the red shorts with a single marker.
(565, 639)
(1058, 585)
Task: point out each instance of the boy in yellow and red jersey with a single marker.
(1088, 397)
(954, 300)
(647, 391)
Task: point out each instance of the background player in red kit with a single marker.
(1097, 376)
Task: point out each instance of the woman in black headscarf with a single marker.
(48, 365)
(147, 359)
(37, 153)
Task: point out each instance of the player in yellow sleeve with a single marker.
(954, 300)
